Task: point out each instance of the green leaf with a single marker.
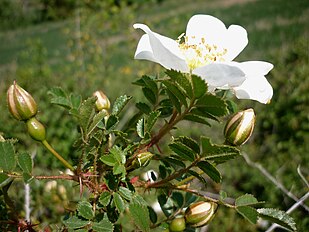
(198, 176)
(7, 156)
(182, 150)
(199, 86)
(178, 198)
(95, 121)
(119, 203)
(119, 169)
(86, 113)
(108, 160)
(118, 154)
(111, 123)
(182, 80)
(75, 223)
(152, 215)
(176, 92)
(4, 179)
(120, 104)
(217, 153)
(279, 217)
(246, 199)
(125, 193)
(25, 162)
(27, 177)
(174, 101)
(174, 162)
(192, 144)
(59, 97)
(140, 216)
(151, 120)
(140, 128)
(196, 118)
(150, 96)
(105, 198)
(248, 213)
(210, 170)
(143, 107)
(213, 105)
(150, 83)
(103, 226)
(84, 209)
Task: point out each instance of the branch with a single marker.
(273, 180)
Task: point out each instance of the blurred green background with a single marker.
(87, 45)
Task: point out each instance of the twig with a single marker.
(290, 210)
(302, 176)
(273, 180)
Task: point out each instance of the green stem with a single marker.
(59, 157)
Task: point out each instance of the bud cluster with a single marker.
(24, 108)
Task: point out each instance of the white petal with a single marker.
(235, 41)
(165, 51)
(255, 87)
(221, 75)
(209, 27)
(143, 50)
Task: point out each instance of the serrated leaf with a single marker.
(103, 226)
(118, 154)
(119, 169)
(210, 170)
(150, 96)
(199, 86)
(75, 100)
(174, 101)
(120, 104)
(95, 121)
(182, 151)
(59, 97)
(196, 118)
(189, 142)
(217, 153)
(25, 162)
(182, 80)
(108, 160)
(176, 92)
(75, 223)
(150, 83)
(198, 176)
(125, 193)
(140, 128)
(279, 217)
(246, 199)
(175, 162)
(119, 203)
(84, 209)
(151, 120)
(212, 105)
(105, 198)
(140, 216)
(248, 213)
(111, 123)
(86, 113)
(143, 107)
(7, 156)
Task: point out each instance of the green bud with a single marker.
(142, 159)
(239, 127)
(36, 129)
(177, 224)
(200, 213)
(21, 104)
(102, 102)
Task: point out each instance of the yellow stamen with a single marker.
(201, 53)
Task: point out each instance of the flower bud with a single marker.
(102, 102)
(200, 213)
(21, 104)
(239, 127)
(177, 224)
(36, 129)
(142, 159)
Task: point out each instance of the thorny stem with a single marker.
(59, 157)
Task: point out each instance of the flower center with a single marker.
(198, 52)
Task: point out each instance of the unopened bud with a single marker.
(102, 102)
(239, 127)
(200, 213)
(36, 129)
(21, 104)
(142, 159)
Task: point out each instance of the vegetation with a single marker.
(85, 47)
